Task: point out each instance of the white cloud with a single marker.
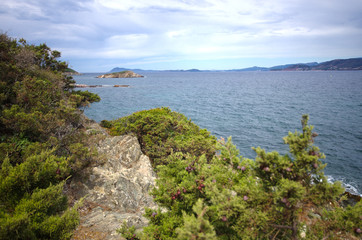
(22, 6)
(127, 41)
(170, 30)
(153, 4)
(176, 34)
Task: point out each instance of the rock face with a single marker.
(114, 191)
(123, 74)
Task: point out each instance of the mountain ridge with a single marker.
(350, 64)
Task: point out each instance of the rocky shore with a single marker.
(94, 86)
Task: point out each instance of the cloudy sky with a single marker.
(98, 35)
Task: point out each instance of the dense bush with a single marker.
(162, 132)
(226, 196)
(84, 98)
(41, 141)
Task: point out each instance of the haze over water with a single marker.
(255, 108)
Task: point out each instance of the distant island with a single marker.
(350, 64)
(122, 74)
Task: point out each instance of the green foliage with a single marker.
(162, 225)
(37, 216)
(231, 197)
(162, 132)
(84, 98)
(37, 171)
(128, 232)
(70, 70)
(41, 141)
(196, 227)
(105, 124)
(344, 219)
(80, 155)
(36, 100)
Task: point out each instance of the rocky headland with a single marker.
(123, 74)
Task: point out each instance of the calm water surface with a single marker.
(255, 108)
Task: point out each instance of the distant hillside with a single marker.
(189, 70)
(255, 68)
(69, 71)
(340, 64)
(337, 64)
(295, 65)
(334, 65)
(117, 69)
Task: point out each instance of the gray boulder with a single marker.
(115, 191)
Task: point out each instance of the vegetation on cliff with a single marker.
(162, 132)
(41, 141)
(208, 194)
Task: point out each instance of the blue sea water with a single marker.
(255, 108)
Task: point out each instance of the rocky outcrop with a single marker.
(114, 191)
(94, 86)
(123, 74)
(85, 86)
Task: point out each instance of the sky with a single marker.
(98, 35)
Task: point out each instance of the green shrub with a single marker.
(162, 132)
(128, 232)
(84, 98)
(40, 216)
(105, 124)
(37, 171)
(231, 197)
(41, 141)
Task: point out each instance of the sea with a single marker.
(254, 108)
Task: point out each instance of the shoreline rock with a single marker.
(352, 199)
(94, 86)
